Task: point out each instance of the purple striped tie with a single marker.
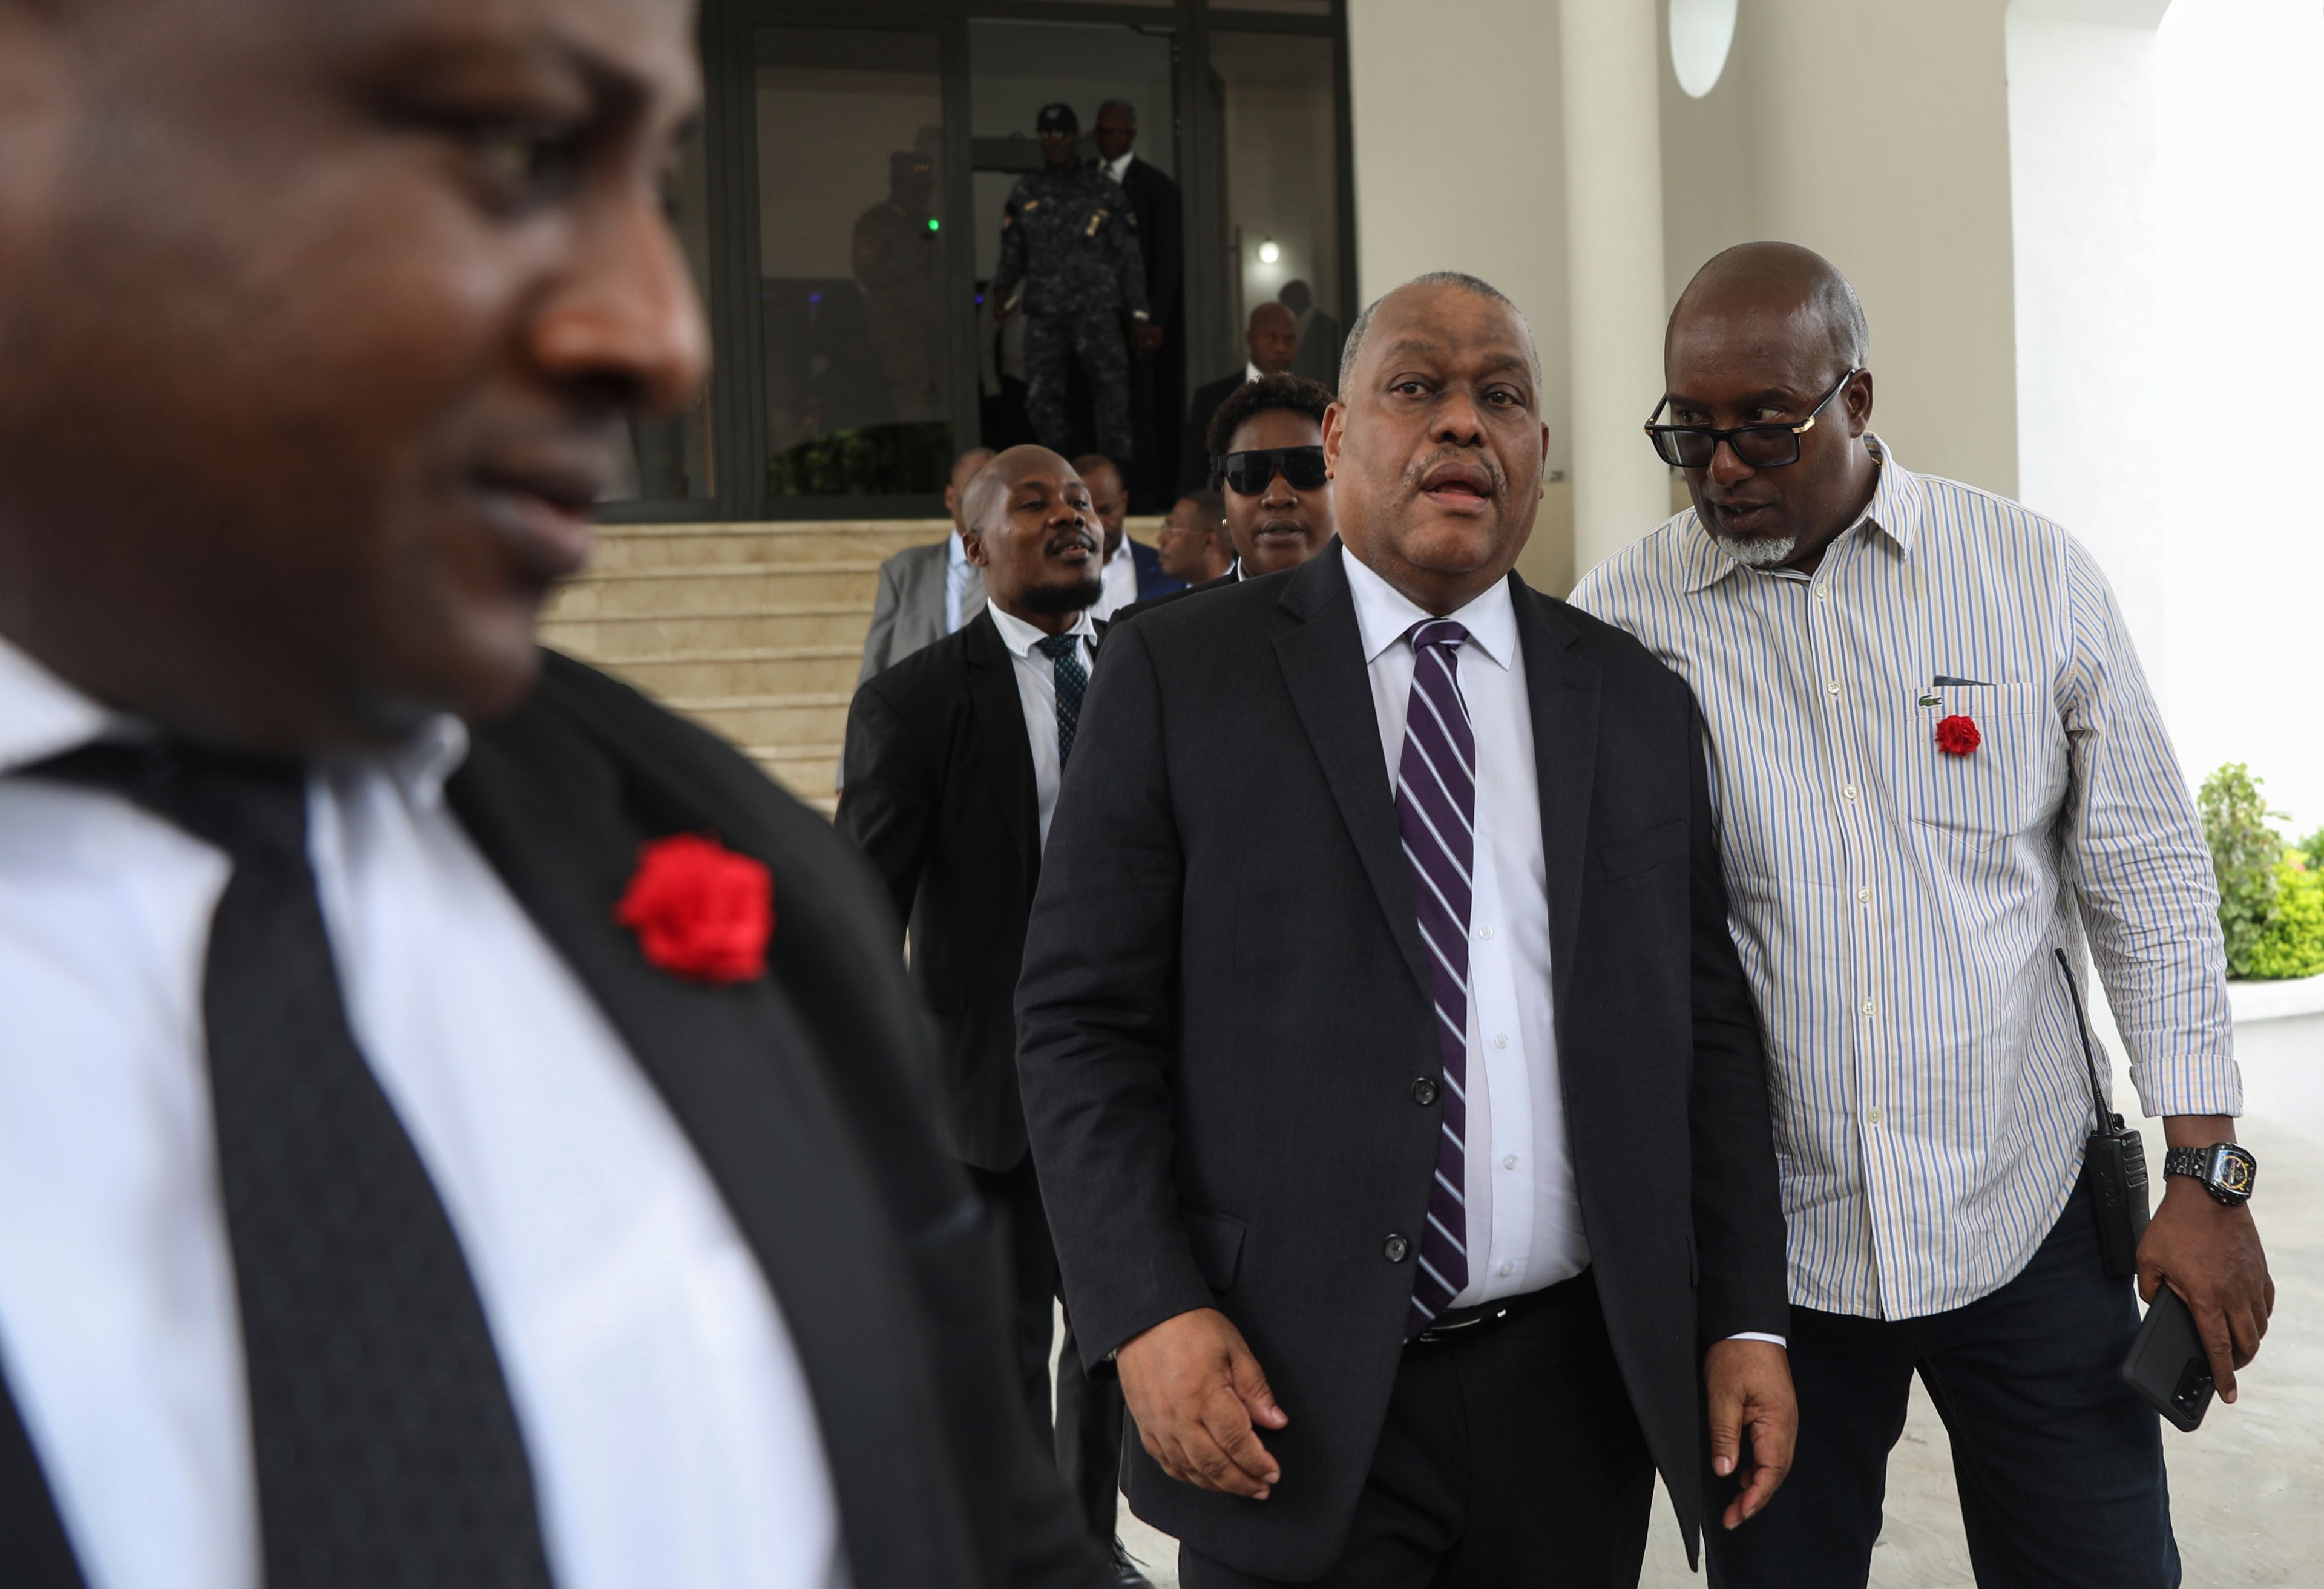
(1435, 802)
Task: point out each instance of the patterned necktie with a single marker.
(1435, 807)
(1065, 657)
(386, 1447)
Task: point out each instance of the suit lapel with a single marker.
(737, 1069)
(1001, 723)
(34, 1553)
(1562, 690)
(1322, 663)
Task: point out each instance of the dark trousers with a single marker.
(1090, 1419)
(2060, 1467)
(1509, 1460)
(1014, 1195)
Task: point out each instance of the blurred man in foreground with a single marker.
(419, 1144)
(1396, 1095)
(1938, 765)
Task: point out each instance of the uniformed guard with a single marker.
(1069, 237)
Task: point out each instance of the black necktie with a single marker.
(1071, 679)
(387, 1449)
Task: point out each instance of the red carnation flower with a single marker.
(1957, 736)
(700, 911)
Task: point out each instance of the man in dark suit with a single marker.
(1318, 358)
(1157, 380)
(1394, 1086)
(425, 1157)
(953, 762)
(1272, 340)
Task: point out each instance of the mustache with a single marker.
(1071, 537)
(1477, 459)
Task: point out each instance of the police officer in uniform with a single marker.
(1070, 238)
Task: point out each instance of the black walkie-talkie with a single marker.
(2116, 1157)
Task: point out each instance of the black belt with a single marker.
(1459, 1324)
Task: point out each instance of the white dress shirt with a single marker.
(671, 1436)
(1896, 907)
(1119, 573)
(1117, 168)
(1037, 692)
(1525, 1214)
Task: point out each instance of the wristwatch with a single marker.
(2225, 1170)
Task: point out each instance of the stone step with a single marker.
(624, 546)
(803, 718)
(683, 592)
(748, 670)
(796, 624)
(805, 769)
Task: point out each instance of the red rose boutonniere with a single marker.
(700, 911)
(1957, 736)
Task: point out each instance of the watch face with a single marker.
(2233, 1170)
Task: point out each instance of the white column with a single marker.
(1611, 64)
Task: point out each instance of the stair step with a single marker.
(800, 718)
(803, 623)
(632, 548)
(712, 593)
(769, 670)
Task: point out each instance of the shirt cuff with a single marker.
(1753, 1335)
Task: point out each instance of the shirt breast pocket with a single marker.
(2009, 783)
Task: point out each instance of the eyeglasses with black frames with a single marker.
(1759, 446)
(1249, 474)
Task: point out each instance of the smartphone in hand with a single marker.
(2167, 1364)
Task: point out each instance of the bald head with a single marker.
(1032, 531)
(1273, 338)
(1782, 282)
(1432, 281)
(987, 493)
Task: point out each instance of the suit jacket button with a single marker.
(1423, 1092)
(1395, 1248)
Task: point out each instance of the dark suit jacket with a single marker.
(1150, 602)
(1225, 1005)
(802, 1093)
(1194, 460)
(1151, 580)
(1161, 234)
(938, 794)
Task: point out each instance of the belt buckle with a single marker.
(1438, 1332)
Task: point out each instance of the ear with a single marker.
(1858, 398)
(972, 542)
(1335, 428)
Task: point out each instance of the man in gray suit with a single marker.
(928, 592)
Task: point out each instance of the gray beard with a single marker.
(1757, 552)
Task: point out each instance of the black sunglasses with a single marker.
(1761, 447)
(1249, 474)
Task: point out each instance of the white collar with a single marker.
(42, 716)
(1385, 615)
(1023, 638)
(1121, 553)
(1249, 372)
(1116, 168)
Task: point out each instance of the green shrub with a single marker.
(2246, 848)
(2293, 943)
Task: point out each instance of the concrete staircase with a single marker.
(755, 631)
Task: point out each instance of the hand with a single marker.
(1750, 1386)
(1145, 338)
(2211, 1255)
(1196, 1393)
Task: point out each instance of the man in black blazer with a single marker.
(1272, 340)
(1158, 380)
(470, 1115)
(1405, 1136)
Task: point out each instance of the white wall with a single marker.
(2240, 145)
(1875, 132)
(1460, 164)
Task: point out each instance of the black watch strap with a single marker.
(2202, 1163)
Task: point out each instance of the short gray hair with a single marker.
(1475, 286)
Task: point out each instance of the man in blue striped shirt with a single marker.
(1936, 760)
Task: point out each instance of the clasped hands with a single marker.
(1199, 1399)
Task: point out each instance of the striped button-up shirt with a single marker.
(1897, 906)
